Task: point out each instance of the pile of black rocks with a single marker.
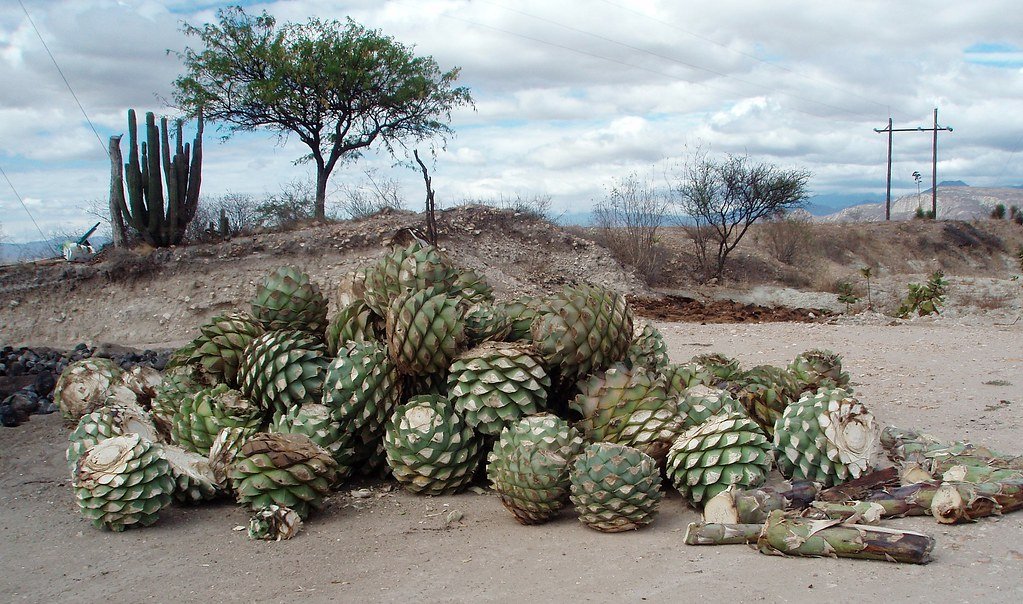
(27, 375)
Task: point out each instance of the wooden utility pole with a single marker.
(934, 163)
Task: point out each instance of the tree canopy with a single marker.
(339, 87)
(723, 198)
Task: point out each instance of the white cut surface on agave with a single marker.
(852, 434)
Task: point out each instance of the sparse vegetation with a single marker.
(846, 295)
(998, 213)
(628, 219)
(373, 194)
(235, 211)
(721, 199)
(293, 204)
(925, 299)
(788, 236)
(867, 273)
(922, 214)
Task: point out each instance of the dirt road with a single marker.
(955, 381)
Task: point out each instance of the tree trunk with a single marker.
(116, 200)
(322, 174)
(431, 214)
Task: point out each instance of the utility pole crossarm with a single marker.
(934, 161)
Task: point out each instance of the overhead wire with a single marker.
(63, 77)
(23, 204)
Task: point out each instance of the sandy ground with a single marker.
(953, 380)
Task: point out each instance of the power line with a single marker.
(18, 195)
(645, 51)
(63, 77)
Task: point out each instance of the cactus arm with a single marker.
(169, 227)
(133, 178)
(154, 185)
(195, 172)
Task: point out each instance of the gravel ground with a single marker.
(954, 380)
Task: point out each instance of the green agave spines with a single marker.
(122, 482)
(528, 466)
(486, 322)
(627, 406)
(764, 392)
(315, 421)
(353, 323)
(430, 449)
(648, 348)
(283, 369)
(615, 488)
(223, 452)
(288, 299)
(288, 470)
(425, 330)
(414, 267)
(827, 437)
(194, 481)
(431, 383)
(495, 384)
(725, 450)
(722, 367)
(361, 388)
(680, 377)
(819, 368)
(582, 330)
(699, 403)
(179, 384)
(201, 417)
(81, 387)
(223, 341)
(471, 287)
(106, 422)
(522, 311)
(274, 523)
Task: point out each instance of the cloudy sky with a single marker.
(569, 95)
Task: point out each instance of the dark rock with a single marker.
(44, 383)
(16, 368)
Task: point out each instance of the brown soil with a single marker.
(681, 308)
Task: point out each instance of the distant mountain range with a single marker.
(956, 201)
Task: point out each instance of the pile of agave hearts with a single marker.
(422, 375)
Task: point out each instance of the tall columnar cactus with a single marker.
(161, 226)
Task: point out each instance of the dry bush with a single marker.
(627, 221)
(788, 238)
(374, 194)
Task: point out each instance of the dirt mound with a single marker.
(690, 310)
(149, 297)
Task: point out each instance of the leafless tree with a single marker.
(628, 218)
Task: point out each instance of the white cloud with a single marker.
(568, 95)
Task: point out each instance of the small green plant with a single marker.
(925, 299)
(867, 274)
(999, 212)
(846, 295)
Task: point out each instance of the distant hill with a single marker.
(955, 201)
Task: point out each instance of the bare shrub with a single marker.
(293, 204)
(627, 220)
(235, 211)
(536, 206)
(788, 236)
(373, 194)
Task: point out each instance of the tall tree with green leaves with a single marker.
(340, 88)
